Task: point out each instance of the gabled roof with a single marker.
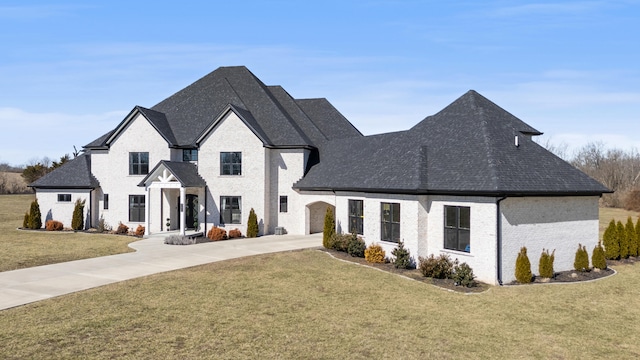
(467, 148)
(74, 174)
(184, 172)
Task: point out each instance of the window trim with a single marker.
(283, 205)
(138, 166)
(229, 200)
(357, 218)
(458, 228)
(233, 168)
(394, 226)
(140, 209)
(64, 197)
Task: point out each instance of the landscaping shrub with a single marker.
(638, 234)
(437, 268)
(53, 225)
(25, 221)
(102, 225)
(356, 246)
(216, 234)
(402, 258)
(140, 231)
(252, 225)
(630, 233)
(374, 254)
(463, 275)
(35, 217)
(581, 262)
(598, 258)
(621, 234)
(523, 267)
(329, 228)
(545, 266)
(340, 242)
(122, 229)
(179, 240)
(611, 243)
(235, 233)
(77, 221)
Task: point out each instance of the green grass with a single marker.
(306, 304)
(22, 249)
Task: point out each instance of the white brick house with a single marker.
(468, 181)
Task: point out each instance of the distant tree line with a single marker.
(39, 168)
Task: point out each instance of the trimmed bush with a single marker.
(25, 221)
(374, 254)
(329, 228)
(581, 262)
(179, 240)
(630, 234)
(35, 217)
(235, 233)
(598, 258)
(216, 234)
(77, 221)
(463, 275)
(437, 268)
(356, 246)
(545, 266)
(122, 229)
(611, 243)
(340, 242)
(402, 258)
(252, 225)
(140, 231)
(621, 234)
(53, 225)
(523, 267)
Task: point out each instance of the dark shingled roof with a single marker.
(74, 174)
(467, 148)
(185, 172)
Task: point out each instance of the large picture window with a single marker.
(138, 163)
(356, 216)
(457, 228)
(230, 210)
(230, 163)
(390, 219)
(136, 208)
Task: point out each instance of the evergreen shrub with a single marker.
(77, 221)
(598, 257)
(216, 234)
(329, 228)
(630, 233)
(25, 221)
(35, 217)
(356, 246)
(523, 267)
(340, 242)
(463, 275)
(581, 262)
(374, 254)
(402, 258)
(545, 266)
(611, 242)
(621, 234)
(252, 225)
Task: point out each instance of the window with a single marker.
(230, 209)
(64, 197)
(190, 155)
(390, 219)
(457, 228)
(230, 163)
(106, 201)
(356, 216)
(136, 208)
(284, 204)
(138, 163)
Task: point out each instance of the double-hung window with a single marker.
(356, 216)
(136, 208)
(230, 210)
(457, 228)
(138, 163)
(284, 204)
(230, 163)
(390, 221)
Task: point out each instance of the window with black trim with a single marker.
(390, 221)
(284, 204)
(64, 197)
(136, 208)
(356, 216)
(230, 163)
(138, 163)
(189, 154)
(106, 201)
(457, 228)
(230, 209)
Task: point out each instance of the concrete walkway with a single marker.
(152, 256)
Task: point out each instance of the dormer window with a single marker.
(190, 155)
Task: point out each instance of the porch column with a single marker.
(147, 210)
(183, 215)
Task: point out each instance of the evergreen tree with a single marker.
(77, 221)
(35, 217)
(402, 258)
(25, 221)
(598, 258)
(523, 267)
(329, 228)
(638, 234)
(611, 243)
(621, 234)
(630, 233)
(581, 262)
(252, 225)
(545, 266)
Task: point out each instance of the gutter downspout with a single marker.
(499, 240)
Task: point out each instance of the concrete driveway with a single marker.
(152, 256)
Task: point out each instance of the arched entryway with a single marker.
(315, 213)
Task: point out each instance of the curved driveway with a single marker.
(152, 256)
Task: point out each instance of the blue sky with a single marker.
(71, 70)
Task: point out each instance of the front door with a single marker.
(191, 211)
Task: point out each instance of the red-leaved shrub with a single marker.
(54, 225)
(122, 229)
(217, 233)
(235, 233)
(140, 231)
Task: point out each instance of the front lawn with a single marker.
(306, 304)
(22, 249)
